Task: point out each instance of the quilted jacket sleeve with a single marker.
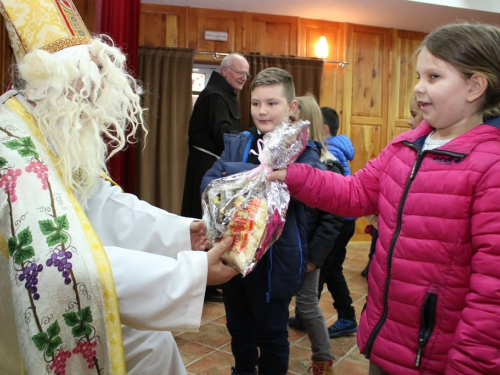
(476, 344)
(323, 229)
(351, 196)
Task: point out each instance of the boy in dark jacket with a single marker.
(257, 305)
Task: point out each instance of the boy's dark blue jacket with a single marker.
(286, 260)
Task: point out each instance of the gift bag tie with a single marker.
(260, 156)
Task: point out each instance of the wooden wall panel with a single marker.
(201, 20)
(403, 79)
(366, 96)
(270, 34)
(162, 26)
(332, 82)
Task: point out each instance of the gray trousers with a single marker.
(312, 316)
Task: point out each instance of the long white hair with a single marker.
(87, 106)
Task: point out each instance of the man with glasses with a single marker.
(215, 112)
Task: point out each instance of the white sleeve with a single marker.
(157, 292)
(122, 220)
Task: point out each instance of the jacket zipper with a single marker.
(427, 319)
(416, 166)
(268, 294)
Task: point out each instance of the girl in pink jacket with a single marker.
(433, 304)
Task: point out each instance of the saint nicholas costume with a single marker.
(92, 291)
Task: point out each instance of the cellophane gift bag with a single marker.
(247, 206)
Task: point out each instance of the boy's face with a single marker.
(269, 107)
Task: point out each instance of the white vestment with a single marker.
(159, 286)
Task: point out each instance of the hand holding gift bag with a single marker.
(249, 207)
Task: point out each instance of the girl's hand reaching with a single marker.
(277, 175)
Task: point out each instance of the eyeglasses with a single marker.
(241, 74)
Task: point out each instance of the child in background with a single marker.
(416, 115)
(340, 145)
(332, 273)
(257, 305)
(433, 296)
(322, 231)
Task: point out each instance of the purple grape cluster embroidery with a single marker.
(30, 276)
(60, 260)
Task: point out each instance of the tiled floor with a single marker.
(208, 352)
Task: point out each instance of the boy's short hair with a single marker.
(331, 118)
(276, 76)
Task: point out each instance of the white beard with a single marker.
(75, 120)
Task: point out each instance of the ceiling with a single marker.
(415, 15)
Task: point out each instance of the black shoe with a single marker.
(296, 323)
(364, 273)
(235, 372)
(367, 268)
(213, 295)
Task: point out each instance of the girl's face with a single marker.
(416, 115)
(270, 107)
(443, 96)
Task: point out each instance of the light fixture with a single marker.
(322, 48)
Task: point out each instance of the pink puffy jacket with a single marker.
(433, 303)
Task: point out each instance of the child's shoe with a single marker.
(321, 368)
(296, 323)
(235, 372)
(343, 327)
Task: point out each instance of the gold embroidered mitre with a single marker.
(50, 25)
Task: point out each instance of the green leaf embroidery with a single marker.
(54, 329)
(3, 162)
(49, 341)
(41, 340)
(25, 237)
(79, 322)
(56, 238)
(71, 319)
(47, 226)
(53, 345)
(18, 247)
(24, 254)
(62, 222)
(24, 146)
(14, 144)
(55, 230)
(85, 315)
(12, 245)
(81, 330)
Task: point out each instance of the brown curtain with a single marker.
(161, 165)
(306, 73)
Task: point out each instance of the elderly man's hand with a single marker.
(218, 272)
(199, 239)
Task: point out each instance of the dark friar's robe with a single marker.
(215, 112)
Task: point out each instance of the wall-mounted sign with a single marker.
(216, 35)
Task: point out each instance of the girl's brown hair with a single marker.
(470, 49)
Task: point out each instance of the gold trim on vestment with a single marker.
(4, 246)
(106, 281)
